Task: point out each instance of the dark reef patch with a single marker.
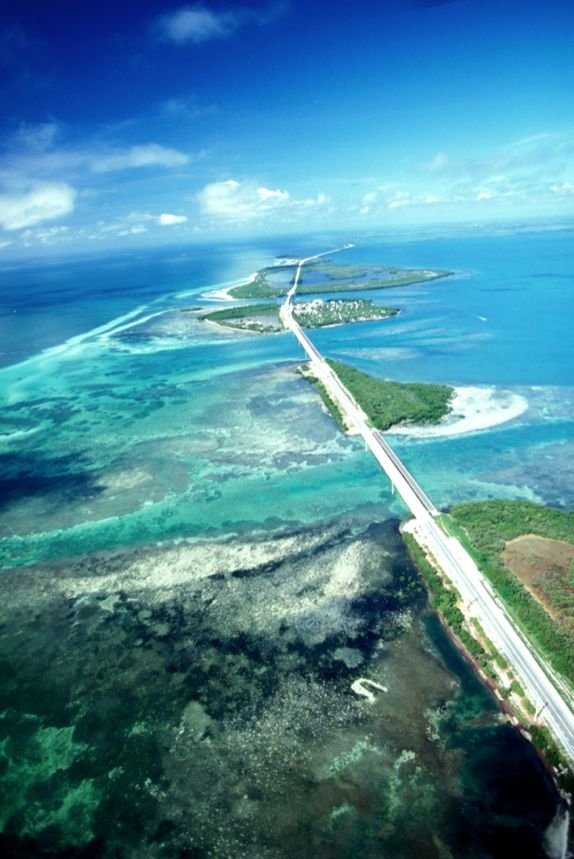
(178, 701)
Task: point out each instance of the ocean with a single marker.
(197, 565)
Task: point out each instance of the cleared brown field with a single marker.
(546, 568)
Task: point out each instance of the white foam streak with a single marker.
(556, 836)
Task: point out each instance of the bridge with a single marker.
(552, 699)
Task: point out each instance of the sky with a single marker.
(140, 123)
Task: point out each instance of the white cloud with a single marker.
(564, 189)
(137, 223)
(147, 155)
(189, 107)
(133, 231)
(47, 235)
(41, 202)
(196, 24)
(400, 199)
(37, 136)
(239, 201)
(266, 195)
(320, 200)
(439, 163)
(368, 201)
(167, 220)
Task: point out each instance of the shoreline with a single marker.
(222, 294)
(473, 409)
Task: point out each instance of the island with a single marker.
(264, 318)
(261, 318)
(387, 404)
(320, 314)
(321, 277)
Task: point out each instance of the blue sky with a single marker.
(137, 123)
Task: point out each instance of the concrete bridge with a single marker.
(552, 699)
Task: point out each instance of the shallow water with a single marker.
(198, 566)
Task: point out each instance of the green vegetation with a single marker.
(488, 526)
(444, 600)
(362, 285)
(314, 314)
(542, 739)
(317, 314)
(249, 317)
(390, 403)
(559, 593)
(361, 277)
(247, 310)
(328, 278)
(260, 287)
(331, 405)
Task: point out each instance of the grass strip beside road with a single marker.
(330, 404)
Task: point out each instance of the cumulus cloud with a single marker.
(41, 202)
(138, 222)
(167, 220)
(368, 200)
(45, 235)
(164, 220)
(564, 189)
(312, 202)
(238, 202)
(196, 24)
(147, 155)
(267, 195)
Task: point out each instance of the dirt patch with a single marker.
(544, 567)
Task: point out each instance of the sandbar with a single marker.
(222, 294)
(472, 409)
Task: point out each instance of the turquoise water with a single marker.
(197, 564)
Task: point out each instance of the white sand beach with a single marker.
(222, 294)
(473, 409)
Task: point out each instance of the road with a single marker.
(544, 689)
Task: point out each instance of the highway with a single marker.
(544, 689)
